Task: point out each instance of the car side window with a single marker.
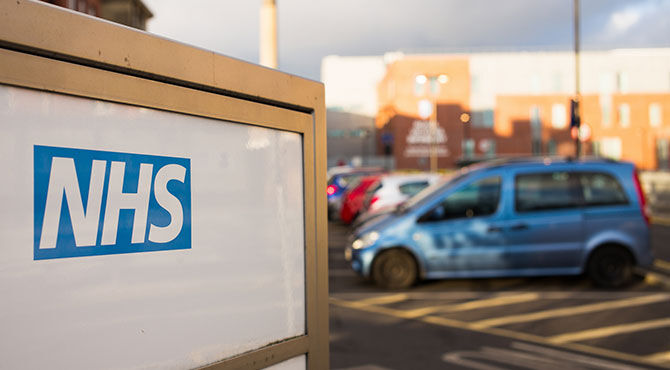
(547, 191)
(412, 188)
(601, 189)
(480, 198)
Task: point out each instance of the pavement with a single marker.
(489, 324)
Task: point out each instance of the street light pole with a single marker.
(576, 114)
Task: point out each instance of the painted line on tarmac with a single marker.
(609, 331)
(664, 221)
(571, 311)
(441, 321)
(384, 299)
(572, 357)
(653, 278)
(463, 295)
(473, 305)
(659, 358)
(665, 265)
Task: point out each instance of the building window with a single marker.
(482, 118)
(468, 148)
(488, 147)
(72, 4)
(559, 117)
(336, 133)
(610, 147)
(605, 110)
(622, 82)
(624, 115)
(82, 6)
(655, 115)
(488, 118)
(420, 85)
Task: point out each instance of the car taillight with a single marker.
(373, 200)
(640, 196)
(331, 189)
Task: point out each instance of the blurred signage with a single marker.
(419, 140)
(69, 225)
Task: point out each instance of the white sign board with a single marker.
(138, 238)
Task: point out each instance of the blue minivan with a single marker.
(520, 217)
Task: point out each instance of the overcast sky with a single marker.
(312, 29)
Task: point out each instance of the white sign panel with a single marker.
(420, 137)
(137, 238)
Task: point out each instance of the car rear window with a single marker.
(412, 188)
(547, 191)
(601, 189)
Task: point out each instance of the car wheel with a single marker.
(394, 269)
(611, 267)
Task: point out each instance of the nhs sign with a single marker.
(89, 202)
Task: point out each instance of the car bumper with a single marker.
(359, 260)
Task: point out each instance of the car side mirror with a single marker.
(435, 214)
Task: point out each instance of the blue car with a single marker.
(522, 217)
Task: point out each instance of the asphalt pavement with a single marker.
(489, 324)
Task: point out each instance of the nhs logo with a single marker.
(90, 202)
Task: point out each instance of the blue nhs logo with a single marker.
(90, 202)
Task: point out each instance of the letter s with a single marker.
(164, 234)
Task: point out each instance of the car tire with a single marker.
(394, 269)
(611, 267)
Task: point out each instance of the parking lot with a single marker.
(524, 323)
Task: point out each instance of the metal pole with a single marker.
(433, 137)
(578, 144)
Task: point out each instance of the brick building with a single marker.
(504, 104)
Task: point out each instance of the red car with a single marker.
(353, 199)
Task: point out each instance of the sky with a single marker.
(309, 30)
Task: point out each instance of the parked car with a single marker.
(339, 182)
(393, 189)
(353, 198)
(524, 217)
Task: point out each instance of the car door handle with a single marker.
(494, 229)
(519, 227)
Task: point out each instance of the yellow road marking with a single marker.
(385, 299)
(472, 305)
(662, 264)
(661, 221)
(659, 357)
(609, 331)
(570, 311)
(441, 321)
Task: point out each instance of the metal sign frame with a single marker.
(110, 62)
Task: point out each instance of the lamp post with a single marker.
(433, 94)
(575, 115)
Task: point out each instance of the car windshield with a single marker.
(426, 193)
